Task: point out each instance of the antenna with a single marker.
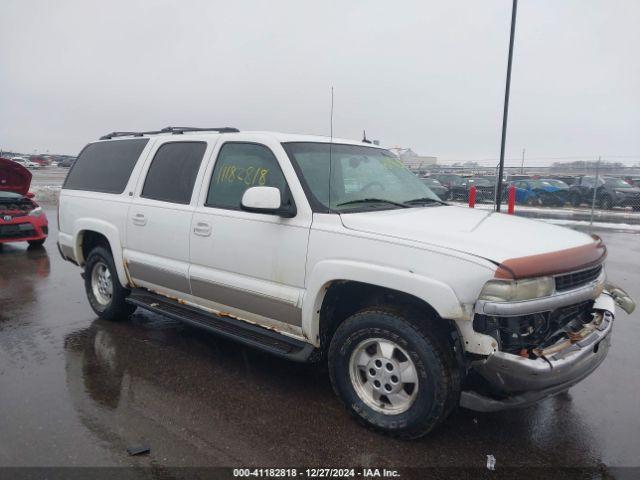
(364, 137)
(330, 145)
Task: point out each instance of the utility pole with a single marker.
(522, 165)
(506, 106)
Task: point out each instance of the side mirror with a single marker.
(265, 200)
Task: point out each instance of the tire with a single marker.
(575, 200)
(108, 303)
(36, 243)
(606, 203)
(533, 201)
(420, 405)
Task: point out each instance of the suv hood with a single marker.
(14, 177)
(493, 236)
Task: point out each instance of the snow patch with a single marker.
(46, 193)
(584, 223)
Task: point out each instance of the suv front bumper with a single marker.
(524, 381)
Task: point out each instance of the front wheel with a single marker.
(392, 376)
(606, 203)
(104, 292)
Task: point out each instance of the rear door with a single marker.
(251, 265)
(159, 217)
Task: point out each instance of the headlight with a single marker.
(36, 212)
(514, 290)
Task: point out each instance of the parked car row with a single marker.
(25, 163)
(609, 192)
(555, 192)
(454, 187)
(36, 162)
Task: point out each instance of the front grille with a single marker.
(577, 279)
(20, 230)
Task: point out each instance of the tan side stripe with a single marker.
(247, 301)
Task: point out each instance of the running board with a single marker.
(268, 340)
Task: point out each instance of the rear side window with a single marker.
(105, 166)
(173, 172)
(238, 167)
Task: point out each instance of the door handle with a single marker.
(202, 229)
(139, 219)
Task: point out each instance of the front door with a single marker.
(250, 265)
(159, 219)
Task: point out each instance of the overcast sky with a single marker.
(423, 74)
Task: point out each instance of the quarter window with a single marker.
(240, 166)
(105, 166)
(173, 172)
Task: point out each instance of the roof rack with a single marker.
(172, 130)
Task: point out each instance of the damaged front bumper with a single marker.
(523, 381)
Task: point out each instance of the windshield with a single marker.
(556, 183)
(540, 183)
(361, 177)
(617, 183)
(431, 182)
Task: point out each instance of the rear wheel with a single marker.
(104, 292)
(534, 201)
(606, 203)
(392, 376)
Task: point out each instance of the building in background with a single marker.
(413, 161)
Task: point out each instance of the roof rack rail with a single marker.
(172, 130)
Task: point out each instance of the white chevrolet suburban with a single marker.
(322, 249)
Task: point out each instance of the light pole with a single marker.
(506, 106)
(522, 165)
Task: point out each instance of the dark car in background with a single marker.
(610, 192)
(635, 181)
(448, 179)
(485, 189)
(541, 192)
(66, 162)
(436, 187)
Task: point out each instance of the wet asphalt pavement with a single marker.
(77, 391)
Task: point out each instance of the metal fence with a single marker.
(591, 191)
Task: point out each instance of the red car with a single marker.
(21, 219)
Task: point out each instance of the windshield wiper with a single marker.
(373, 200)
(425, 200)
